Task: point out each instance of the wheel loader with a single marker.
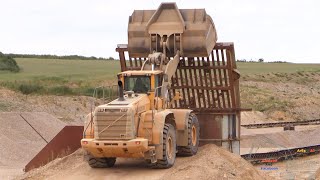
(140, 123)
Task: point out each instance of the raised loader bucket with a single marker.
(191, 31)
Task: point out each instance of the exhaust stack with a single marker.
(121, 98)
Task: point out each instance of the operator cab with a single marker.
(137, 84)
(141, 81)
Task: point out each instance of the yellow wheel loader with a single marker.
(141, 122)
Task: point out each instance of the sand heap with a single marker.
(211, 162)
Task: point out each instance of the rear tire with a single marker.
(169, 148)
(100, 162)
(193, 137)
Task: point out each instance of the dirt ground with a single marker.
(297, 101)
(22, 137)
(211, 162)
(318, 174)
(298, 168)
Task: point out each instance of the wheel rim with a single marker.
(169, 147)
(194, 135)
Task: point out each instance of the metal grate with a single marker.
(207, 84)
(113, 125)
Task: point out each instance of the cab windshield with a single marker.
(138, 84)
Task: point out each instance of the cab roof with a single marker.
(139, 73)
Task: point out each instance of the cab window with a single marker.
(138, 84)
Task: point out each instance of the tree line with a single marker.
(48, 56)
(260, 60)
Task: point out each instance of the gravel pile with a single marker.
(213, 162)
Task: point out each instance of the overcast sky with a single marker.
(286, 30)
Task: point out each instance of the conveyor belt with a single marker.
(282, 124)
(272, 157)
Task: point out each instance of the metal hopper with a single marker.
(191, 31)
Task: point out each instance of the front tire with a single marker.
(193, 137)
(169, 148)
(100, 162)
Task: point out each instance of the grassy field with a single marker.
(53, 76)
(265, 68)
(60, 77)
(73, 70)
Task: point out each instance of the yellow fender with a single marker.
(181, 117)
(180, 122)
(157, 131)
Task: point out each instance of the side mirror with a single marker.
(165, 78)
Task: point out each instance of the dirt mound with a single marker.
(211, 162)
